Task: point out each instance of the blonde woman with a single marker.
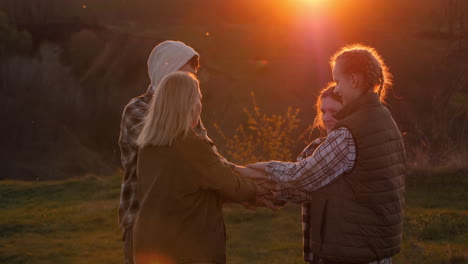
(167, 57)
(182, 181)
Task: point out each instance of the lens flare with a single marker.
(313, 3)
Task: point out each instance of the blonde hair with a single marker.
(171, 110)
(365, 61)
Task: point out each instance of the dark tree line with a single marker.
(67, 71)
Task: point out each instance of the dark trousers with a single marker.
(128, 245)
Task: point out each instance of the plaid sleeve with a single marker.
(129, 130)
(334, 157)
(307, 151)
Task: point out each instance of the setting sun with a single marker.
(313, 3)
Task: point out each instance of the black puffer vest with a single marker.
(358, 218)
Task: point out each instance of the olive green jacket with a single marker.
(181, 189)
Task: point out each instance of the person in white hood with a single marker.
(167, 57)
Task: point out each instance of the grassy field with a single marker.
(74, 221)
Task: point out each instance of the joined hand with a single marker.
(251, 173)
(260, 166)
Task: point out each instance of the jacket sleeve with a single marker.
(201, 131)
(216, 174)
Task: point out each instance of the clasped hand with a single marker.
(253, 171)
(256, 173)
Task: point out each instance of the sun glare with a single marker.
(313, 3)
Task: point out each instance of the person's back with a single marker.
(182, 182)
(178, 216)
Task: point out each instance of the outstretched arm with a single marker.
(215, 174)
(331, 159)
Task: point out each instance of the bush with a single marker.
(264, 137)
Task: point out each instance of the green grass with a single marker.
(75, 221)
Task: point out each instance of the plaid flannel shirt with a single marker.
(320, 163)
(334, 157)
(130, 128)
